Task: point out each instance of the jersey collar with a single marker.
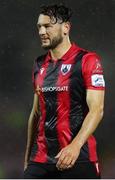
(73, 49)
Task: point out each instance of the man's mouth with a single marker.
(44, 39)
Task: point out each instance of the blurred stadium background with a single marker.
(93, 29)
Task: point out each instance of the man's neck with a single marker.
(60, 50)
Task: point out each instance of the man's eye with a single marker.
(47, 26)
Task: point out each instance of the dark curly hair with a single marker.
(57, 13)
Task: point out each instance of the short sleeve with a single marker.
(92, 72)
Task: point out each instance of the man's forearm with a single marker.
(32, 130)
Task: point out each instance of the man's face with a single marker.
(51, 34)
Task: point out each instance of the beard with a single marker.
(54, 42)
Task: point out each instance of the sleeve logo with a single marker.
(42, 70)
(97, 80)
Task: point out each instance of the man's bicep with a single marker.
(95, 99)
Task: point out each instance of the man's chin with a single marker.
(46, 47)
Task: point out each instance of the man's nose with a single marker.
(42, 30)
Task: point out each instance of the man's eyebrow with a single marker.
(45, 24)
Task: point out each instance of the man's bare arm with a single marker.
(68, 155)
(32, 129)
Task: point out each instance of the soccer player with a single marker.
(68, 103)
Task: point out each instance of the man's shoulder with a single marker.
(90, 55)
(39, 61)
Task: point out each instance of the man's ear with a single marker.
(66, 27)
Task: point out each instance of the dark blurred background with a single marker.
(93, 29)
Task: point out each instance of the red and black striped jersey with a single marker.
(62, 101)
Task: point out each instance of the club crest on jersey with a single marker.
(65, 68)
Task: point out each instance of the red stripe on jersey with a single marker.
(41, 155)
(92, 148)
(63, 111)
(63, 124)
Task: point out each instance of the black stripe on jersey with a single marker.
(34, 149)
(78, 100)
(77, 94)
(51, 110)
